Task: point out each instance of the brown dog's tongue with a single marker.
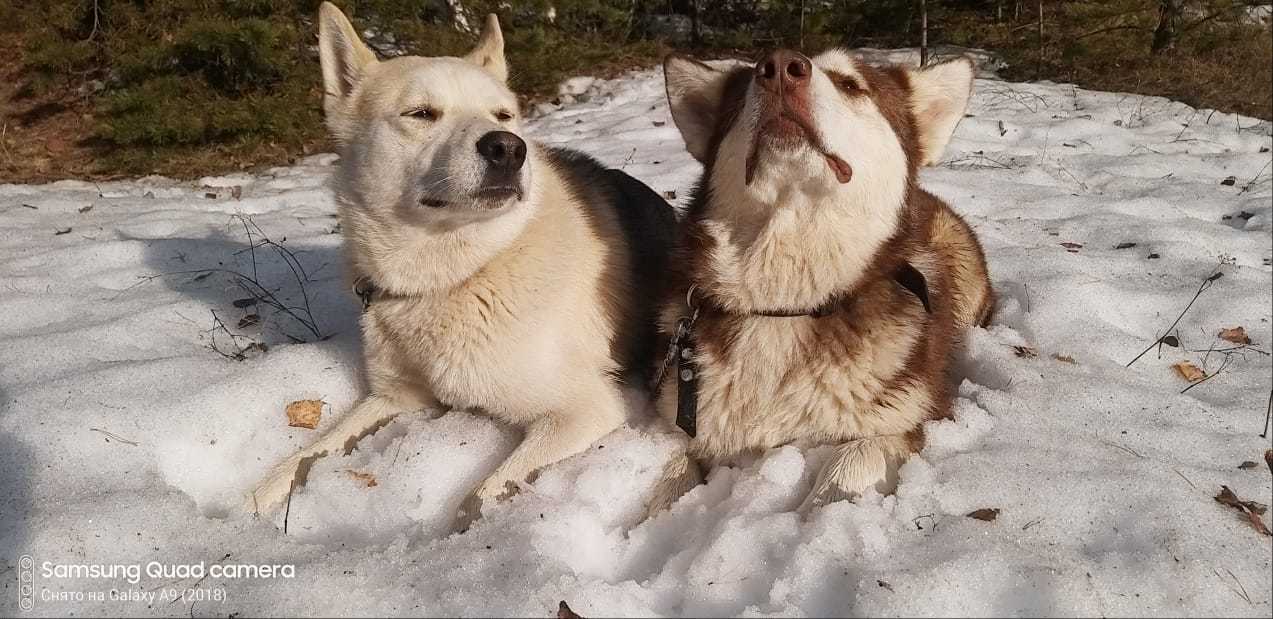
(843, 172)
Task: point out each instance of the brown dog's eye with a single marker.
(422, 113)
(503, 115)
(848, 84)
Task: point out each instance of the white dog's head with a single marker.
(830, 127)
(428, 141)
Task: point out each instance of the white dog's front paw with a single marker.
(488, 492)
(272, 491)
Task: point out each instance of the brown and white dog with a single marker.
(819, 290)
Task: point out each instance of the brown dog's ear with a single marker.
(694, 94)
(489, 52)
(344, 57)
(939, 97)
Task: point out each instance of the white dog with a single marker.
(496, 276)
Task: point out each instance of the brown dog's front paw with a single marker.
(680, 475)
(469, 511)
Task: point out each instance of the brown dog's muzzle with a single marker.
(784, 77)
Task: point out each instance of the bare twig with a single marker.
(1124, 448)
(1268, 415)
(1206, 283)
(287, 512)
(116, 437)
(1224, 364)
(1182, 476)
(1251, 183)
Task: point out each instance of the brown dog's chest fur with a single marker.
(875, 366)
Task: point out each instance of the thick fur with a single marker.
(866, 377)
(528, 307)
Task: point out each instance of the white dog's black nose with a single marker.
(504, 151)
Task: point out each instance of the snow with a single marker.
(125, 440)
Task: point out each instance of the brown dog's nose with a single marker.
(784, 70)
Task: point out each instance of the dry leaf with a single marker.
(1252, 509)
(1247, 464)
(564, 612)
(1189, 371)
(987, 514)
(1064, 358)
(1171, 341)
(304, 413)
(1025, 351)
(366, 478)
(85, 209)
(61, 231)
(1237, 335)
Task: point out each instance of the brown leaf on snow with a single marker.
(564, 612)
(1188, 371)
(1025, 351)
(1064, 358)
(304, 413)
(1247, 465)
(366, 478)
(1252, 509)
(987, 514)
(1237, 335)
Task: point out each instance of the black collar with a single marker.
(906, 275)
(368, 292)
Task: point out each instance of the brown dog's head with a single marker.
(827, 126)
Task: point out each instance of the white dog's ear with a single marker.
(939, 97)
(345, 58)
(489, 53)
(694, 94)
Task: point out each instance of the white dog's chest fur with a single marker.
(485, 346)
(503, 340)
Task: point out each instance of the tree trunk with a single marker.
(1169, 14)
(923, 33)
(696, 25)
(1038, 67)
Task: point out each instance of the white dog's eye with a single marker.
(503, 115)
(422, 113)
